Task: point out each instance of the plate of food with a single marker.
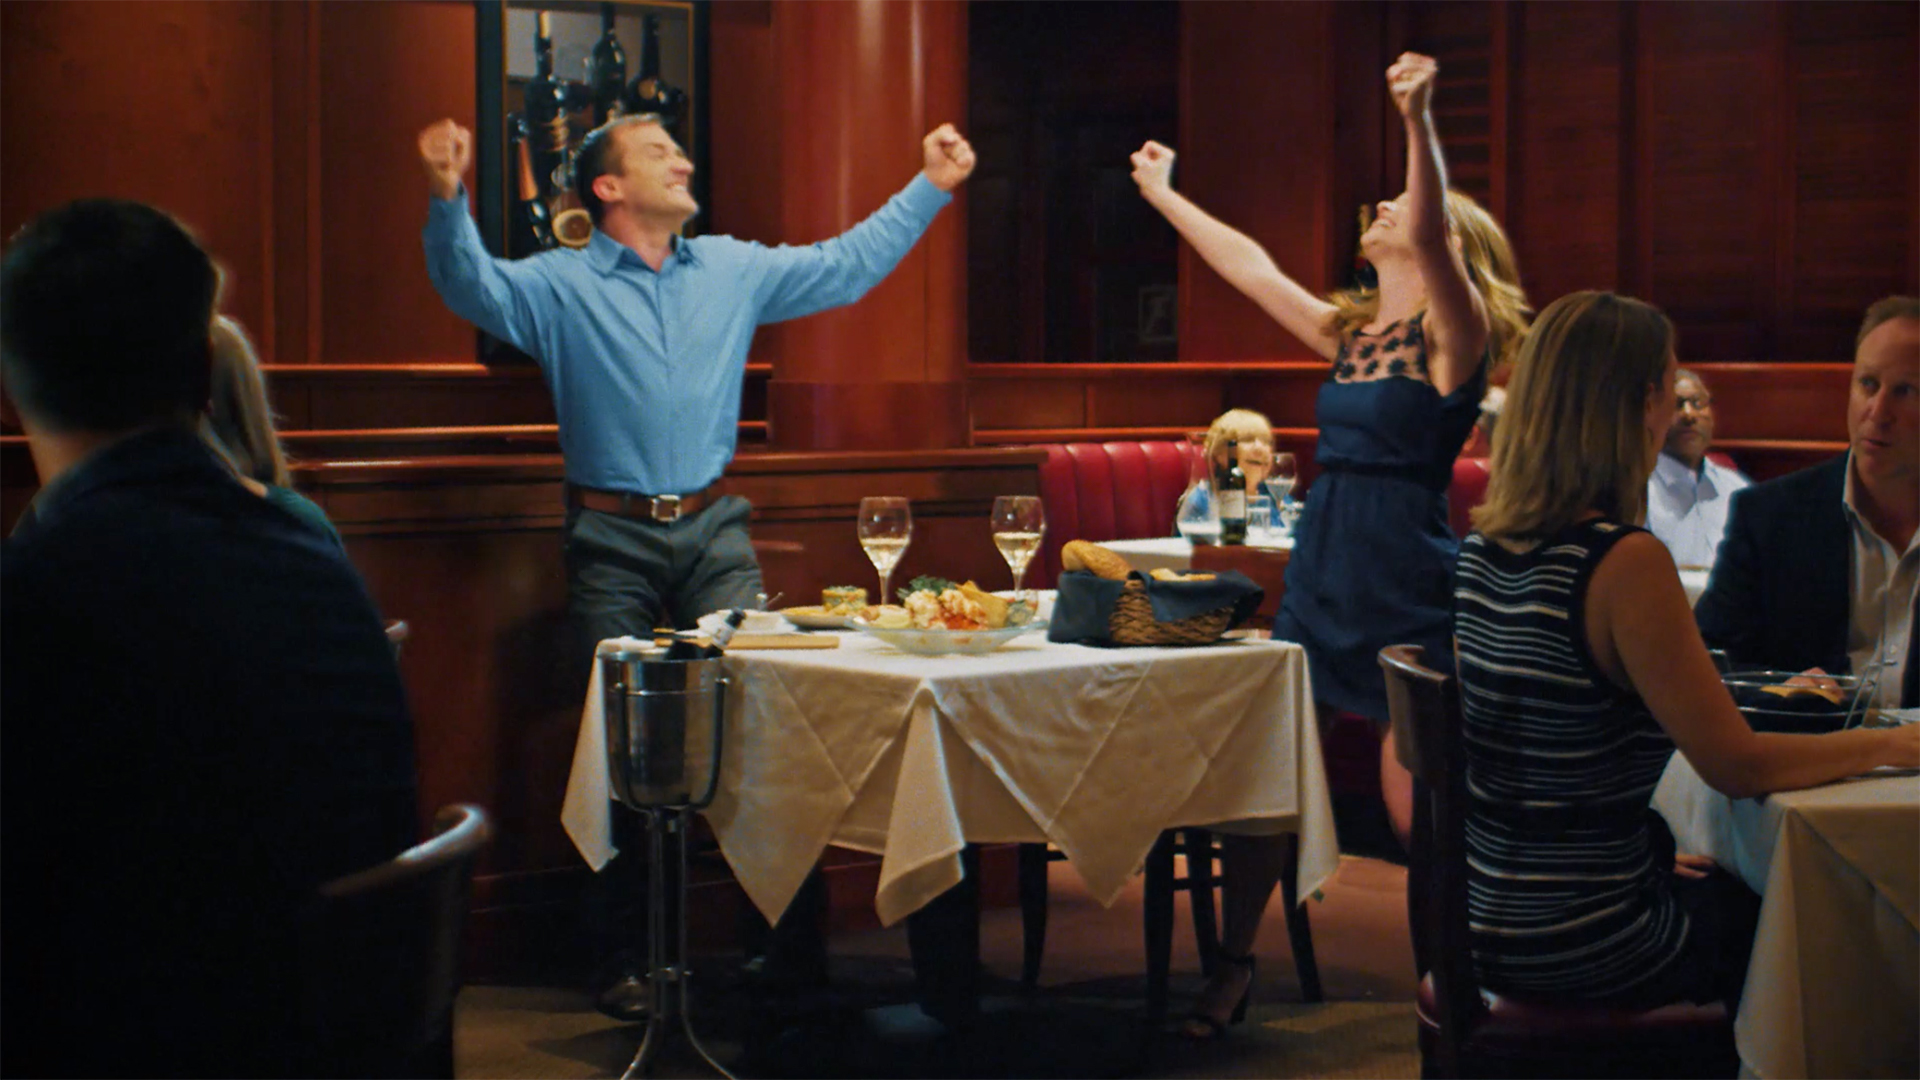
(938, 618)
(1771, 703)
(839, 605)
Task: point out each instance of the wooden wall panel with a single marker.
(385, 72)
(1254, 157)
(1706, 240)
(1569, 141)
(1853, 69)
(161, 102)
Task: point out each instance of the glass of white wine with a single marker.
(1280, 480)
(1019, 522)
(885, 528)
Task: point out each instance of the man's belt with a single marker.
(645, 507)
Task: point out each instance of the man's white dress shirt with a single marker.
(1688, 510)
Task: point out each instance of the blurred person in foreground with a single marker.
(241, 425)
(1689, 492)
(204, 721)
(1820, 569)
(1580, 673)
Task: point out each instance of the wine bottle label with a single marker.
(1233, 504)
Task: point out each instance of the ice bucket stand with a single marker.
(663, 739)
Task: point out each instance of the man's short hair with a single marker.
(1887, 310)
(590, 161)
(105, 312)
(1693, 377)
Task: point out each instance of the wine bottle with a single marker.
(546, 109)
(534, 229)
(607, 70)
(1231, 489)
(648, 92)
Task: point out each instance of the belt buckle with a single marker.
(666, 508)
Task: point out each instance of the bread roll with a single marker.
(1091, 557)
(1164, 574)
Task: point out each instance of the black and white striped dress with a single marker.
(1569, 890)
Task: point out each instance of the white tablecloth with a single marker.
(1834, 984)
(1169, 552)
(1094, 750)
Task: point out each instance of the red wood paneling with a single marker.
(385, 71)
(1257, 117)
(166, 103)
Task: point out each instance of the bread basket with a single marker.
(1133, 623)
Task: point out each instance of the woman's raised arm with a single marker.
(1234, 255)
(1456, 315)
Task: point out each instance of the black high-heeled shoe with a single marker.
(1203, 1027)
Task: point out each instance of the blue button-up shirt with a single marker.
(646, 366)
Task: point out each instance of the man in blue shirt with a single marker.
(643, 336)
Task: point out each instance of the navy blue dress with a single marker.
(1373, 553)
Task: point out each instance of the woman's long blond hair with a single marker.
(1491, 268)
(241, 423)
(1573, 434)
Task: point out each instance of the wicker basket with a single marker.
(1132, 622)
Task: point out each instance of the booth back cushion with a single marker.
(1107, 491)
(1468, 491)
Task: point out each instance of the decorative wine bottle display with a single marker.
(648, 92)
(607, 70)
(1231, 489)
(533, 224)
(546, 110)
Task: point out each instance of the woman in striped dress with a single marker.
(1581, 670)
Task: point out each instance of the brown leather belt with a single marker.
(645, 507)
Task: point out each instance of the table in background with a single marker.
(1834, 984)
(1096, 751)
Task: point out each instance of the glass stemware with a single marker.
(1280, 479)
(1019, 522)
(885, 529)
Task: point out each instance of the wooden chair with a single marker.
(380, 958)
(1197, 845)
(1466, 1030)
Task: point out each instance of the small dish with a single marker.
(756, 622)
(815, 617)
(948, 642)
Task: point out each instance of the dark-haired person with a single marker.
(1688, 493)
(1581, 672)
(643, 336)
(1820, 570)
(203, 718)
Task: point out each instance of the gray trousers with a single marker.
(630, 575)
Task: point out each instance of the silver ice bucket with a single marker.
(664, 721)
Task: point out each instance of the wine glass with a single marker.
(1019, 521)
(1280, 480)
(885, 528)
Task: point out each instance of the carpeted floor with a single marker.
(1084, 1020)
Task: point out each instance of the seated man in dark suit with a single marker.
(1818, 571)
(204, 720)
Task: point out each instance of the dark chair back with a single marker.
(380, 957)
(1425, 709)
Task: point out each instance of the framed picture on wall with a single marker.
(550, 72)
